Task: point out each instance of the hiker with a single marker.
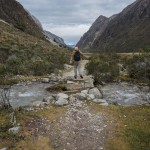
(75, 59)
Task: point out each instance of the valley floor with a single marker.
(81, 125)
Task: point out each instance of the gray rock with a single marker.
(95, 92)
(70, 82)
(67, 66)
(88, 83)
(14, 130)
(37, 103)
(4, 148)
(84, 91)
(99, 101)
(80, 96)
(49, 99)
(45, 80)
(104, 104)
(148, 97)
(61, 102)
(62, 95)
(90, 96)
(33, 80)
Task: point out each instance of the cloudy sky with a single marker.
(70, 19)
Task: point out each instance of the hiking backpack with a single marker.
(77, 56)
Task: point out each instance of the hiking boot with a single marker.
(81, 76)
(75, 76)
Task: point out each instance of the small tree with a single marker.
(5, 87)
(5, 96)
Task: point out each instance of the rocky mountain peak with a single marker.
(95, 30)
(124, 32)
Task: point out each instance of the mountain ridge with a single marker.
(127, 31)
(14, 13)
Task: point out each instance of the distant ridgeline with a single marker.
(127, 31)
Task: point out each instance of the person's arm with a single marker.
(81, 53)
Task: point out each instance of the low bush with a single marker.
(139, 67)
(2, 69)
(104, 67)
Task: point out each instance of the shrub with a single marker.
(2, 69)
(104, 67)
(13, 64)
(139, 67)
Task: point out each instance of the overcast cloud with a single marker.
(70, 19)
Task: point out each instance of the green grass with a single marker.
(130, 128)
(24, 139)
(24, 54)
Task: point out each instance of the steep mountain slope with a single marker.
(25, 54)
(54, 39)
(24, 49)
(96, 29)
(13, 12)
(126, 32)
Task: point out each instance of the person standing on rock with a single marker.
(76, 61)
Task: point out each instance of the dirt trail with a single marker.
(70, 73)
(80, 128)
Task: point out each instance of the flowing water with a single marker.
(26, 94)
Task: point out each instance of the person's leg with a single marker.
(79, 69)
(75, 68)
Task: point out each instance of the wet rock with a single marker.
(14, 130)
(45, 80)
(49, 99)
(95, 92)
(61, 102)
